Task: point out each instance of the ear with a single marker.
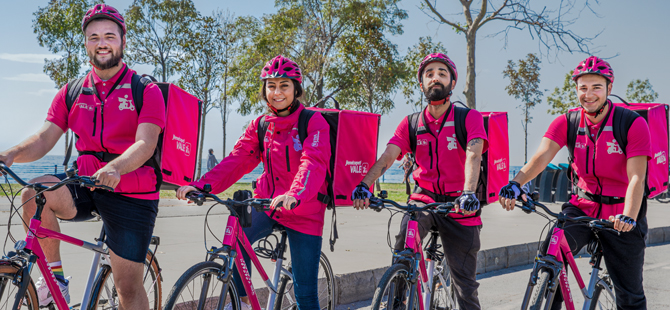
(124, 41)
(453, 85)
(609, 88)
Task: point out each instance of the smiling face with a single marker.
(592, 91)
(279, 92)
(436, 79)
(104, 43)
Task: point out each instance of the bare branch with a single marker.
(442, 19)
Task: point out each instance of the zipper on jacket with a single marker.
(102, 124)
(95, 119)
(588, 156)
(269, 165)
(288, 163)
(430, 153)
(437, 166)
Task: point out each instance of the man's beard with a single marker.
(437, 94)
(112, 62)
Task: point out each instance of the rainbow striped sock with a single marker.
(57, 269)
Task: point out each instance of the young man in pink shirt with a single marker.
(446, 172)
(116, 142)
(611, 180)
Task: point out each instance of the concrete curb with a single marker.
(361, 285)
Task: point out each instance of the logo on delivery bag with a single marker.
(357, 166)
(182, 145)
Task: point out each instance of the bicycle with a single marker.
(16, 266)
(430, 286)
(209, 285)
(549, 270)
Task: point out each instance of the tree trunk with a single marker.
(202, 138)
(319, 94)
(224, 110)
(469, 90)
(525, 138)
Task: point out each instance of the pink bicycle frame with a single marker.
(33, 245)
(232, 235)
(559, 248)
(413, 241)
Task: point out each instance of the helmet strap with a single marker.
(598, 112)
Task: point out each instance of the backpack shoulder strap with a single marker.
(303, 122)
(622, 121)
(573, 117)
(74, 89)
(261, 130)
(137, 85)
(460, 114)
(412, 125)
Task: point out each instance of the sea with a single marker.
(51, 164)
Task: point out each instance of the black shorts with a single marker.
(128, 222)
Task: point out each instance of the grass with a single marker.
(395, 191)
(9, 188)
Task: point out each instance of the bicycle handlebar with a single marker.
(530, 205)
(83, 181)
(200, 197)
(378, 204)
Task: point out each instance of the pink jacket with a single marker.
(290, 168)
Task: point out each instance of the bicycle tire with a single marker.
(443, 296)
(603, 296)
(104, 294)
(8, 289)
(539, 297)
(396, 275)
(201, 273)
(286, 296)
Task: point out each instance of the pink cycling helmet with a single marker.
(103, 11)
(281, 67)
(441, 58)
(594, 65)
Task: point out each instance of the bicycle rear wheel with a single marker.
(442, 293)
(603, 295)
(104, 295)
(8, 290)
(394, 290)
(200, 288)
(326, 288)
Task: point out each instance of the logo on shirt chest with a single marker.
(613, 147)
(84, 106)
(580, 145)
(452, 142)
(422, 142)
(297, 146)
(126, 104)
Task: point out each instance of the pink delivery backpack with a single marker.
(353, 142)
(175, 157)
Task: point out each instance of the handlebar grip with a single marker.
(196, 197)
(602, 223)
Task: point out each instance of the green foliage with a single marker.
(416, 53)
(639, 91)
(564, 98)
(338, 45)
(58, 28)
(155, 28)
(524, 84)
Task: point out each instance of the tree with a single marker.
(201, 66)
(548, 26)
(524, 84)
(416, 53)
(154, 30)
(564, 98)
(639, 91)
(58, 28)
(313, 34)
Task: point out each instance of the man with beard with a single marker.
(115, 142)
(445, 173)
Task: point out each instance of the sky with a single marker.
(632, 35)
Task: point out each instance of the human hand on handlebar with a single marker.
(623, 223)
(361, 196)
(287, 202)
(7, 158)
(182, 191)
(107, 176)
(467, 202)
(509, 194)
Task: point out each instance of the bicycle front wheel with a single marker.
(200, 288)
(8, 290)
(603, 296)
(394, 290)
(542, 296)
(325, 288)
(104, 295)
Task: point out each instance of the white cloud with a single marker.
(49, 92)
(29, 77)
(29, 58)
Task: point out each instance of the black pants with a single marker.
(623, 254)
(461, 244)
